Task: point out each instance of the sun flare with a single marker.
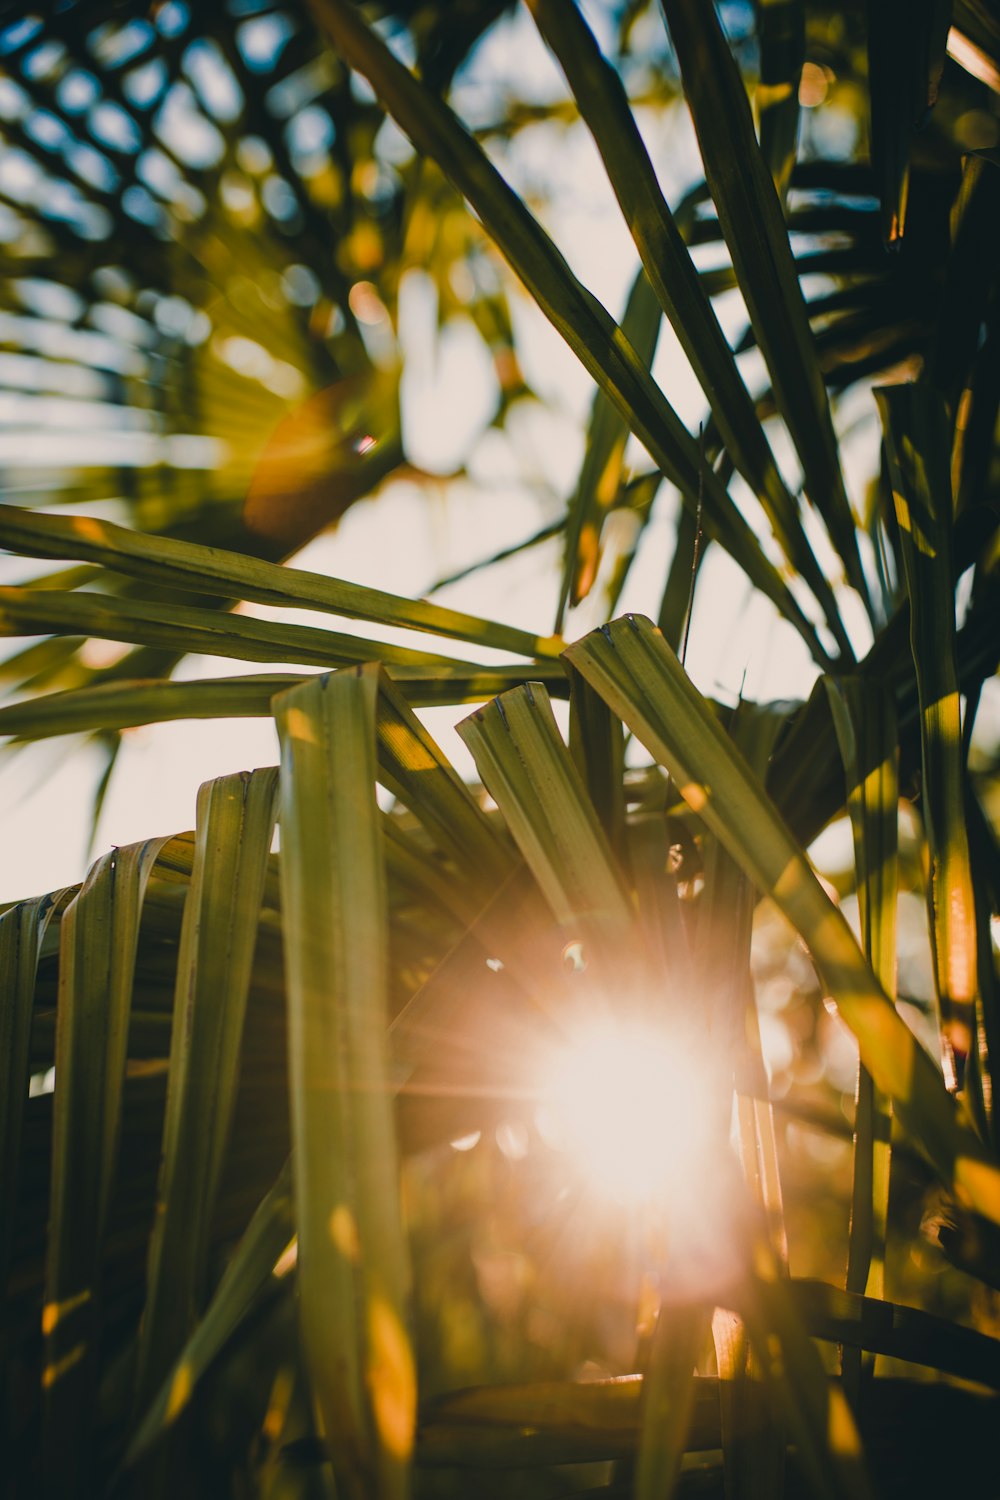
(635, 1111)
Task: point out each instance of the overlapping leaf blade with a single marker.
(676, 605)
(412, 766)
(183, 628)
(167, 562)
(865, 720)
(98, 940)
(905, 1333)
(960, 360)
(529, 772)
(233, 832)
(753, 1450)
(597, 745)
(753, 1439)
(120, 705)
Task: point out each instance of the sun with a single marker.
(636, 1110)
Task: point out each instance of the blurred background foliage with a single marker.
(206, 220)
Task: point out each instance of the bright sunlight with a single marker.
(637, 1112)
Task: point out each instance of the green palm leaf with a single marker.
(353, 1271)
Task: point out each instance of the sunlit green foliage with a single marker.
(300, 1194)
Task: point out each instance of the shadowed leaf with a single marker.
(781, 28)
(752, 222)
(99, 934)
(22, 928)
(602, 471)
(906, 52)
(820, 1421)
(247, 1274)
(917, 433)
